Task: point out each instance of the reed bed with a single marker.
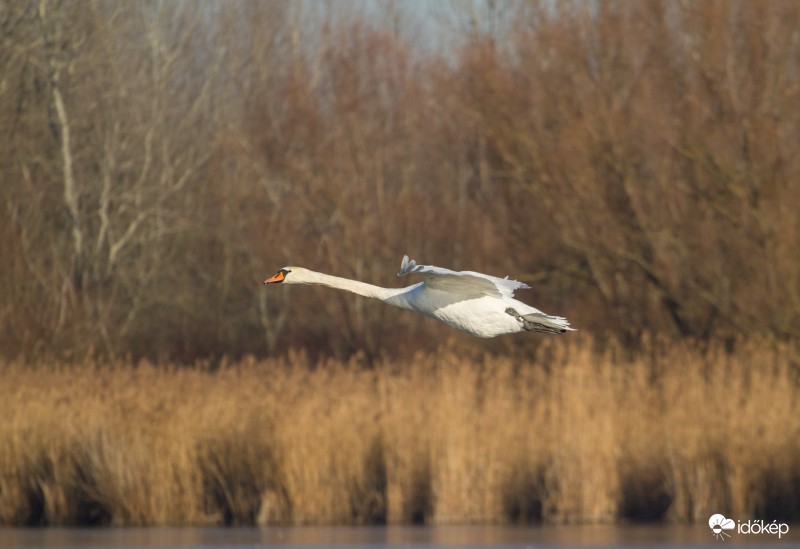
(573, 435)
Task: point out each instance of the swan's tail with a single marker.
(554, 325)
(540, 322)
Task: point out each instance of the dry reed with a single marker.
(572, 436)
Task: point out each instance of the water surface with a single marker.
(540, 537)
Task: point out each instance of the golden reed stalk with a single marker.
(574, 436)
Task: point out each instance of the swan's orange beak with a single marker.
(279, 276)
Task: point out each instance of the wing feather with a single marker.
(465, 283)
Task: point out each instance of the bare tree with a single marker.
(159, 159)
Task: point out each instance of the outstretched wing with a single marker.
(465, 283)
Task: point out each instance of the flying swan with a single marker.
(475, 303)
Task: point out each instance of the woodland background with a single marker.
(636, 162)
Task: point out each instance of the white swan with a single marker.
(476, 303)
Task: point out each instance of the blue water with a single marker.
(540, 537)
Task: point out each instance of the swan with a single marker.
(476, 303)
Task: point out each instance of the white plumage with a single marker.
(479, 304)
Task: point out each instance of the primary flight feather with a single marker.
(476, 303)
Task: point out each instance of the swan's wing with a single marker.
(466, 283)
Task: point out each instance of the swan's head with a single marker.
(290, 275)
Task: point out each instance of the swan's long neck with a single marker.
(354, 286)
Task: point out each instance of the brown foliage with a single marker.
(636, 161)
(570, 436)
(654, 139)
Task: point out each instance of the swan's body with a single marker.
(475, 303)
